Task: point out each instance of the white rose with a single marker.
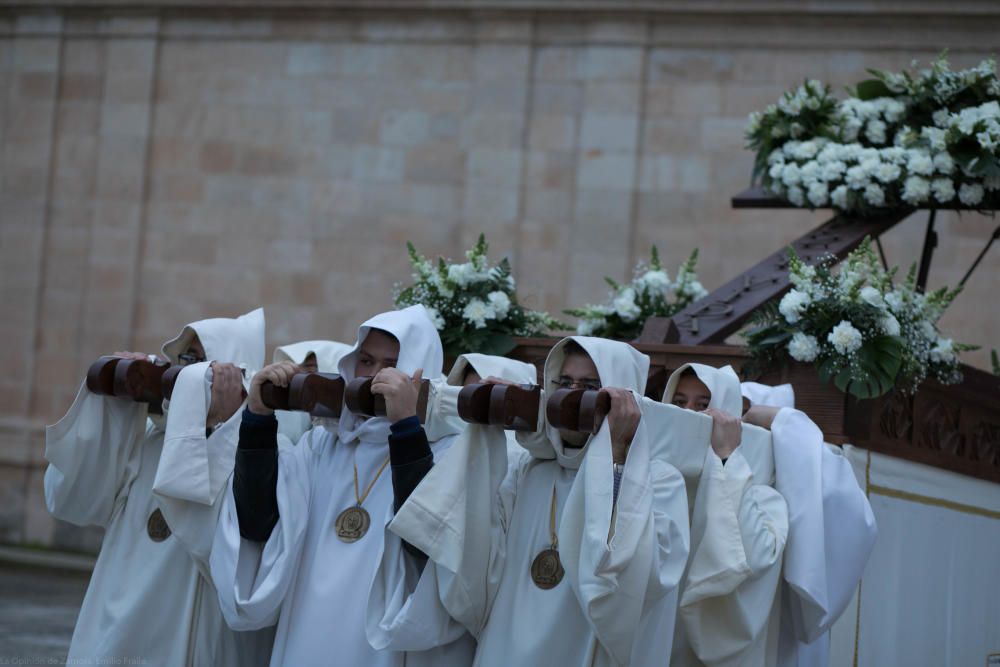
(500, 303)
(845, 338)
(624, 304)
(793, 305)
(970, 194)
(872, 296)
(803, 347)
(890, 325)
(944, 189)
(916, 190)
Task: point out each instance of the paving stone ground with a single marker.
(38, 609)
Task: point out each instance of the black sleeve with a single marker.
(255, 477)
(411, 458)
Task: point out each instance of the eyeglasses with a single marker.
(186, 358)
(587, 384)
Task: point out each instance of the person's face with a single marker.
(309, 364)
(578, 372)
(195, 353)
(471, 377)
(692, 394)
(379, 350)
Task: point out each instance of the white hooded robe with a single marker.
(304, 578)
(291, 424)
(482, 521)
(146, 599)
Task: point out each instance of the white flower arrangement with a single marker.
(863, 332)
(901, 140)
(650, 293)
(473, 305)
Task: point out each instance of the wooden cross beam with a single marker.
(722, 313)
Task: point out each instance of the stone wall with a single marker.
(165, 164)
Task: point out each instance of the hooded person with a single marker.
(473, 368)
(570, 554)
(832, 528)
(293, 544)
(312, 356)
(739, 525)
(104, 456)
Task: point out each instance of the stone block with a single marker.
(495, 166)
(435, 163)
(607, 170)
(609, 132)
(552, 131)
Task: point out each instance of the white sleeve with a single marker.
(730, 612)
(832, 529)
(94, 453)
(621, 558)
(458, 516)
(253, 579)
(194, 470)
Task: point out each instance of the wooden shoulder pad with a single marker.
(319, 394)
(101, 376)
(514, 407)
(140, 380)
(578, 409)
(360, 400)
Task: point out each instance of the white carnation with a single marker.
(839, 197)
(805, 150)
(832, 170)
(874, 195)
(920, 163)
(856, 178)
(654, 281)
(935, 136)
(845, 338)
(887, 172)
(943, 163)
(796, 196)
(793, 305)
(587, 326)
(986, 140)
(500, 303)
(477, 312)
(970, 194)
(944, 190)
(916, 190)
(818, 193)
(876, 131)
(941, 117)
(803, 347)
(894, 301)
(462, 274)
(790, 175)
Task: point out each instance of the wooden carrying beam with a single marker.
(319, 394)
(138, 379)
(514, 407)
(359, 399)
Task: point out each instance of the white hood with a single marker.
(238, 341)
(618, 365)
(723, 383)
(779, 396)
(328, 353)
(488, 365)
(419, 347)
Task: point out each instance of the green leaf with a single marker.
(871, 89)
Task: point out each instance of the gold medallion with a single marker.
(156, 526)
(352, 524)
(547, 570)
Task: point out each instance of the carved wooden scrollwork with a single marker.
(984, 443)
(896, 418)
(938, 429)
